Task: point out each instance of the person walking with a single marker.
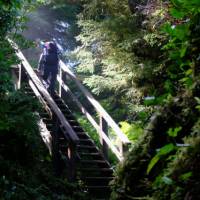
(49, 64)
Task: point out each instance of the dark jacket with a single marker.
(49, 59)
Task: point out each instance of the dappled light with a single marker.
(99, 99)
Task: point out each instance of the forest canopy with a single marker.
(141, 60)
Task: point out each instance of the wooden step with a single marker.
(73, 122)
(58, 100)
(99, 163)
(77, 128)
(98, 187)
(69, 116)
(62, 106)
(96, 155)
(79, 146)
(99, 191)
(101, 181)
(66, 112)
(82, 135)
(96, 171)
(87, 148)
(86, 142)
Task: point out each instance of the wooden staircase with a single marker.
(70, 145)
(92, 168)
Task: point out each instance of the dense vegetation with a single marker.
(141, 59)
(26, 170)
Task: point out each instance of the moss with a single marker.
(163, 182)
(184, 173)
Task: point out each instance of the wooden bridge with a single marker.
(70, 145)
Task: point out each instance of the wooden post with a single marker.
(64, 79)
(123, 148)
(60, 84)
(23, 75)
(19, 77)
(104, 127)
(16, 75)
(72, 162)
(56, 158)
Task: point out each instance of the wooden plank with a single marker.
(14, 78)
(60, 86)
(104, 128)
(20, 76)
(46, 95)
(96, 104)
(92, 121)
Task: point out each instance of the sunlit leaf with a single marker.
(161, 152)
(173, 132)
(186, 176)
(167, 180)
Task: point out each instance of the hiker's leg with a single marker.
(52, 82)
(46, 73)
(45, 77)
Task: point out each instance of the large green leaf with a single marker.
(165, 150)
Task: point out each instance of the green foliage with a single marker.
(170, 172)
(119, 57)
(88, 128)
(133, 131)
(173, 132)
(182, 50)
(198, 102)
(165, 150)
(186, 176)
(91, 131)
(33, 177)
(25, 173)
(181, 172)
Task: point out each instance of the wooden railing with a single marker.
(36, 81)
(43, 95)
(105, 120)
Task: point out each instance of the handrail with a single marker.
(105, 119)
(124, 140)
(72, 135)
(91, 119)
(96, 104)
